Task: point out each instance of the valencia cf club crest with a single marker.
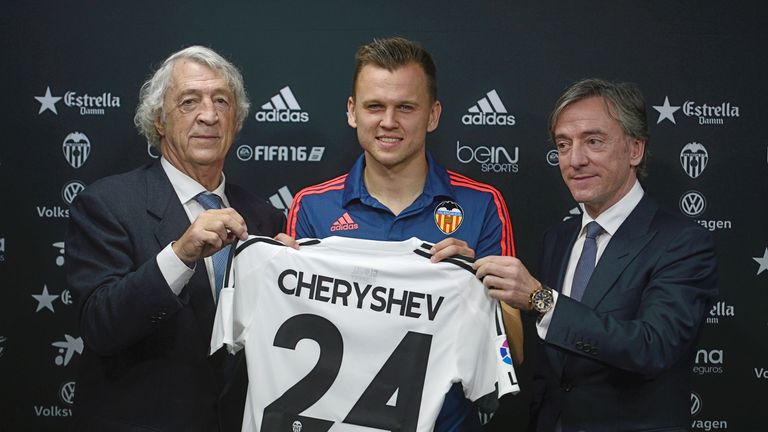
(694, 159)
(76, 149)
(448, 216)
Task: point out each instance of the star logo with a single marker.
(48, 102)
(763, 261)
(44, 300)
(666, 111)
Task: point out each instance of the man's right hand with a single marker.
(210, 232)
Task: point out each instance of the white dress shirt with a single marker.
(610, 220)
(175, 272)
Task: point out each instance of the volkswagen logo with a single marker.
(695, 404)
(67, 392)
(692, 203)
(70, 190)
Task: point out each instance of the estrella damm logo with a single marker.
(448, 216)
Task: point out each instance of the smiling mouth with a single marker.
(388, 140)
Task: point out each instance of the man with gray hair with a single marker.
(622, 290)
(146, 252)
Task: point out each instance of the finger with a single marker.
(287, 240)
(225, 223)
(235, 223)
(449, 247)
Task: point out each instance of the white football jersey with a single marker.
(358, 335)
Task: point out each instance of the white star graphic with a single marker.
(763, 261)
(666, 111)
(48, 102)
(44, 300)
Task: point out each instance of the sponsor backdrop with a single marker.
(72, 74)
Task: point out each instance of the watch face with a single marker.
(541, 300)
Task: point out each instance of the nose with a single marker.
(389, 119)
(578, 155)
(207, 112)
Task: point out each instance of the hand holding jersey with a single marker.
(211, 231)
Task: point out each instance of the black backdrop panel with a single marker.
(71, 77)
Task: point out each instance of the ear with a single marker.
(159, 126)
(434, 116)
(351, 120)
(636, 151)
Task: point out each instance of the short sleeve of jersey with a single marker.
(474, 369)
(233, 311)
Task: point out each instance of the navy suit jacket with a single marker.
(145, 366)
(621, 359)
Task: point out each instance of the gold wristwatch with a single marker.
(542, 299)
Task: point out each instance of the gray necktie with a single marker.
(212, 201)
(586, 264)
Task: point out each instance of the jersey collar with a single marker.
(437, 185)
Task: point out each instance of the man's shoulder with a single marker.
(118, 185)
(469, 187)
(666, 221)
(239, 195)
(327, 190)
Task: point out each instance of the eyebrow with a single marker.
(381, 102)
(584, 133)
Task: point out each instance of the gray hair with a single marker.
(152, 92)
(625, 103)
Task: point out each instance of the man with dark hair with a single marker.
(144, 260)
(622, 290)
(396, 190)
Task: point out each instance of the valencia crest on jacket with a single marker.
(448, 216)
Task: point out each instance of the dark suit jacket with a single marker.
(145, 366)
(621, 359)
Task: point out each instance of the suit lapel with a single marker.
(163, 204)
(240, 202)
(631, 237)
(172, 221)
(562, 250)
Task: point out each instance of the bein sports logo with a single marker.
(491, 159)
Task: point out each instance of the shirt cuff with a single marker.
(542, 325)
(175, 272)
